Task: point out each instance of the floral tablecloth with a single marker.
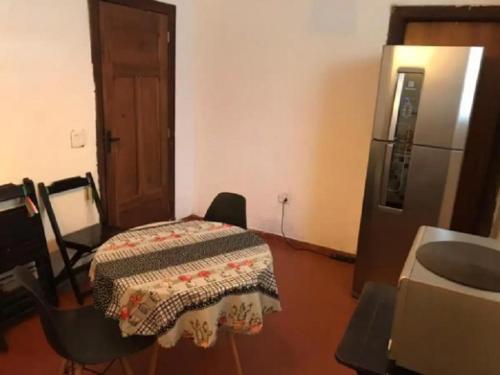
(176, 279)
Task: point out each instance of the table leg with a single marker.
(3, 343)
(78, 369)
(236, 355)
(62, 367)
(154, 359)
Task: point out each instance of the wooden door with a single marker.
(479, 175)
(137, 114)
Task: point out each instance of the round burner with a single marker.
(468, 264)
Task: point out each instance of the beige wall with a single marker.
(287, 92)
(47, 89)
(272, 96)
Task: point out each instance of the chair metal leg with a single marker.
(126, 366)
(236, 355)
(154, 359)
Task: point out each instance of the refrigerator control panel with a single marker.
(405, 107)
(398, 155)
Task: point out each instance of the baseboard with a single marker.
(192, 217)
(332, 253)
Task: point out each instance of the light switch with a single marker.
(78, 138)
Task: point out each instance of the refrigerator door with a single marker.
(425, 94)
(402, 192)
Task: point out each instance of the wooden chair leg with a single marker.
(71, 274)
(62, 367)
(154, 359)
(78, 369)
(126, 366)
(78, 293)
(3, 344)
(236, 355)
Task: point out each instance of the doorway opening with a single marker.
(466, 26)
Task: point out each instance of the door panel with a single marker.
(150, 131)
(136, 114)
(134, 34)
(442, 72)
(122, 123)
(386, 233)
(429, 181)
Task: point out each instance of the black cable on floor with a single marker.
(335, 256)
(288, 241)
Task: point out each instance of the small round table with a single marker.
(185, 279)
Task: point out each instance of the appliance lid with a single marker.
(465, 263)
(415, 271)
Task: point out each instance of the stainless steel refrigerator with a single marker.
(424, 103)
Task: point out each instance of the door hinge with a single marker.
(168, 37)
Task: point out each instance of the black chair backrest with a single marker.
(229, 208)
(67, 184)
(22, 238)
(71, 183)
(12, 191)
(19, 233)
(48, 315)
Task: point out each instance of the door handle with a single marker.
(395, 106)
(110, 140)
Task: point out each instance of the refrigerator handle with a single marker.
(395, 106)
(389, 148)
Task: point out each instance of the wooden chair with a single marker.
(82, 336)
(22, 242)
(82, 242)
(229, 208)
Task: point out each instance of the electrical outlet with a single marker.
(78, 138)
(283, 198)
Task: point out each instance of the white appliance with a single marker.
(447, 317)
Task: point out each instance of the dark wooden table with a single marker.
(364, 345)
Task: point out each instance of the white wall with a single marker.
(287, 91)
(47, 89)
(185, 96)
(272, 96)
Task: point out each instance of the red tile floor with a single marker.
(300, 340)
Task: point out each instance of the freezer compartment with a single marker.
(423, 193)
(425, 94)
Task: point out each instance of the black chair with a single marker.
(22, 241)
(84, 241)
(82, 336)
(229, 208)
